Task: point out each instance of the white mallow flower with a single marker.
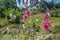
(7, 28)
(23, 26)
(29, 38)
(14, 17)
(10, 15)
(38, 38)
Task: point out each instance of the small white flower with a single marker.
(7, 29)
(10, 15)
(14, 17)
(38, 38)
(23, 26)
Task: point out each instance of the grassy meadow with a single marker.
(37, 20)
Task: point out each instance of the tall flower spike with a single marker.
(46, 22)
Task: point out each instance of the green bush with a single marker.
(15, 12)
(17, 20)
(57, 26)
(2, 15)
(55, 13)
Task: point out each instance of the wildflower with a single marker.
(28, 32)
(10, 15)
(49, 23)
(25, 17)
(46, 22)
(45, 27)
(23, 26)
(14, 16)
(47, 15)
(26, 14)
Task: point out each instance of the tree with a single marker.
(2, 8)
(52, 4)
(1, 5)
(58, 5)
(5, 5)
(10, 4)
(43, 6)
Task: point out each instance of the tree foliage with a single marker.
(6, 5)
(43, 6)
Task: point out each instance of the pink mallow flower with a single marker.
(26, 14)
(47, 15)
(25, 17)
(49, 23)
(46, 24)
(28, 32)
